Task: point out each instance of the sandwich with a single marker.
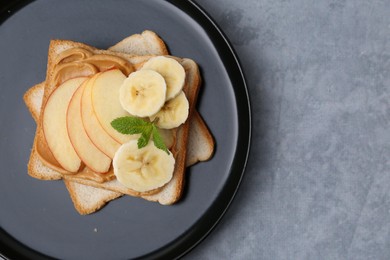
(89, 189)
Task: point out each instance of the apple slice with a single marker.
(54, 124)
(106, 104)
(103, 141)
(95, 159)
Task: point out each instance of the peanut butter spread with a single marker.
(78, 62)
(71, 63)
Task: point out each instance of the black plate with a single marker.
(37, 218)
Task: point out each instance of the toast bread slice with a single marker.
(81, 194)
(146, 43)
(191, 89)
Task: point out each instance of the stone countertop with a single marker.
(317, 185)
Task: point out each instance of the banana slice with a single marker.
(173, 113)
(173, 73)
(143, 93)
(143, 169)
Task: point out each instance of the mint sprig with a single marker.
(129, 125)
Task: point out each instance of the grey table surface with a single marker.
(317, 185)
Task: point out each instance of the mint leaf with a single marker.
(133, 125)
(130, 125)
(145, 137)
(158, 141)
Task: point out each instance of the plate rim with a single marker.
(11, 248)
